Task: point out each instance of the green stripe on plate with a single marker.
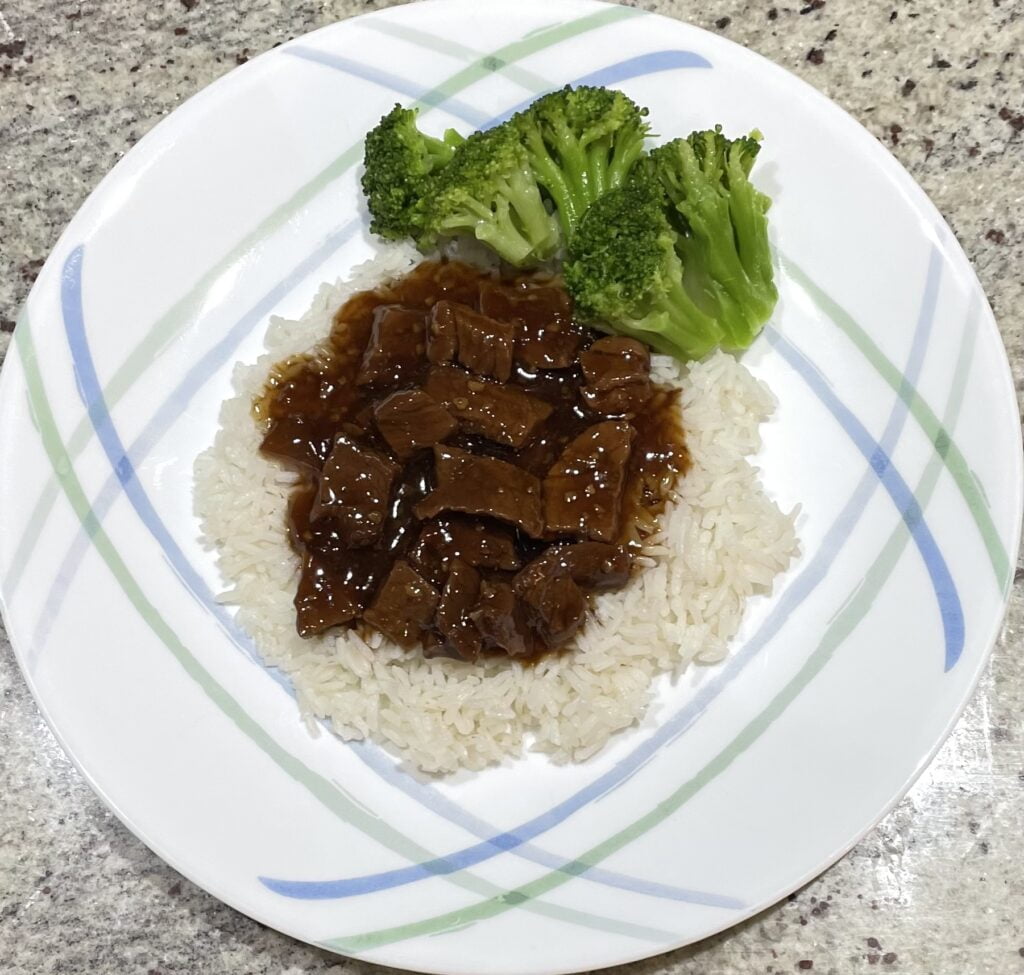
(854, 609)
(179, 315)
(942, 441)
(527, 79)
(326, 792)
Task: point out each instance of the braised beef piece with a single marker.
(355, 488)
(618, 373)
(554, 605)
(337, 581)
(482, 544)
(504, 414)
(597, 565)
(300, 441)
(404, 607)
(583, 490)
(460, 596)
(484, 486)
(446, 281)
(483, 345)
(615, 360)
(591, 565)
(396, 349)
(452, 396)
(434, 645)
(501, 621)
(547, 337)
(323, 599)
(552, 346)
(411, 419)
(442, 333)
(361, 425)
(321, 537)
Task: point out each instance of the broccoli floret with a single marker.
(397, 160)
(582, 142)
(624, 273)
(723, 239)
(489, 191)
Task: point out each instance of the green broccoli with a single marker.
(397, 160)
(625, 275)
(581, 142)
(489, 191)
(723, 230)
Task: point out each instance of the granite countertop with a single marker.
(935, 888)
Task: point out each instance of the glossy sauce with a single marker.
(309, 399)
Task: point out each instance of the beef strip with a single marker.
(614, 360)
(618, 373)
(591, 565)
(355, 487)
(337, 581)
(483, 345)
(301, 441)
(504, 414)
(480, 544)
(554, 605)
(484, 486)
(323, 599)
(448, 281)
(500, 619)
(404, 606)
(598, 565)
(435, 646)
(460, 596)
(546, 337)
(361, 425)
(395, 353)
(552, 346)
(442, 333)
(411, 419)
(583, 490)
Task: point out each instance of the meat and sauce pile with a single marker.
(473, 464)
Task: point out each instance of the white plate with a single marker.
(897, 431)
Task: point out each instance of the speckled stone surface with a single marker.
(937, 887)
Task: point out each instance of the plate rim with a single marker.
(917, 199)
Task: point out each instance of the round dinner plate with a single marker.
(896, 432)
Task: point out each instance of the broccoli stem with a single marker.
(529, 211)
(597, 166)
(747, 207)
(518, 226)
(692, 332)
(574, 161)
(625, 155)
(494, 228)
(503, 238)
(552, 179)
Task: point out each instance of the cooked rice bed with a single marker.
(721, 541)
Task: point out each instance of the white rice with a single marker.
(721, 541)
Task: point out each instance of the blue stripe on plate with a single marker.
(641, 65)
(392, 82)
(942, 582)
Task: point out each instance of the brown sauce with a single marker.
(331, 399)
